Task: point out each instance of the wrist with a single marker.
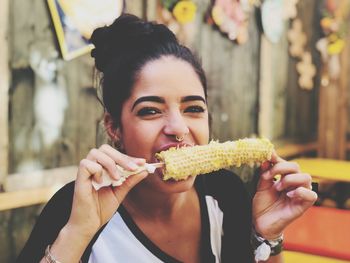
(85, 232)
(269, 233)
(69, 246)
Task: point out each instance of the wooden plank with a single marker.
(265, 90)
(333, 117)
(13, 200)
(151, 10)
(32, 188)
(135, 7)
(301, 105)
(272, 87)
(38, 179)
(289, 150)
(4, 88)
(343, 99)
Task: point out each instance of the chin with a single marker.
(170, 186)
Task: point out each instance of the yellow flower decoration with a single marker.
(336, 47)
(218, 15)
(184, 11)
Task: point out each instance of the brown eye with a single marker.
(194, 109)
(148, 111)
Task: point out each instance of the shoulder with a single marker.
(59, 206)
(65, 193)
(52, 218)
(57, 210)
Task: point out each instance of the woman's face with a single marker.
(167, 100)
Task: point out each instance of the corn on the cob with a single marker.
(181, 163)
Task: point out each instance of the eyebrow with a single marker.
(193, 98)
(148, 98)
(162, 100)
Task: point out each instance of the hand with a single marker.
(91, 209)
(278, 203)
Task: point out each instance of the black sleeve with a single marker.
(51, 220)
(236, 204)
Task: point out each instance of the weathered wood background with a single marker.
(233, 75)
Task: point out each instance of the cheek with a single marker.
(200, 130)
(138, 139)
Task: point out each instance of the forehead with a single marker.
(167, 76)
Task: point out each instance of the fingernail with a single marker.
(115, 173)
(279, 186)
(132, 166)
(141, 161)
(290, 194)
(266, 175)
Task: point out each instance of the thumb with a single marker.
(265, 179)
(122, 190)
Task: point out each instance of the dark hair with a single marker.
(124, 47)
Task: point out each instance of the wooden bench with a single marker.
(322, 233)
(325, 169)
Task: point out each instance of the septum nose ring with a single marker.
(179, 138)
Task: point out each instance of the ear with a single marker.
(113, 133)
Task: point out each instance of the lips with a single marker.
(168, 146)
(171, 145)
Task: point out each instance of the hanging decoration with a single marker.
(297, 38)
(272, 19)
(335, 25)
(306, 71)
(231, 17)
(184, 11)
(297, 47)
(179, 16)
(75, 20)
(274, 13)
(290, 9)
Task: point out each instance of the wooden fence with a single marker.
(236, 100)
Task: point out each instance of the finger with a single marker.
(293, 181)
(88, 168)
(125, 161)
(281, 168)
(122, 190)
(303, 194)
(264, 184)
(107, 163)
(265, 166)
(275, 158)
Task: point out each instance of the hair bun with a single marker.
(128, 34)
(99, 39)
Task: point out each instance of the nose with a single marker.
(176, 125)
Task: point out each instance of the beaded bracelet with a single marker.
(49, 257)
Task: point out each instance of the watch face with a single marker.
(272, 19)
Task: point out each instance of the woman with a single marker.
(154, 94)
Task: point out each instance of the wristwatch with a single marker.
(264, 248)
